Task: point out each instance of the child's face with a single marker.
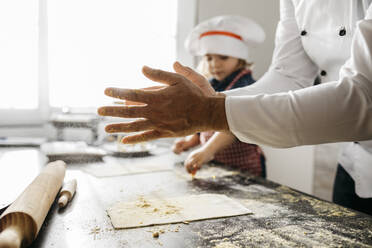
(221, 66)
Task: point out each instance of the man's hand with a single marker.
(196, 78)
(179, 109)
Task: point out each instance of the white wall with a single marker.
(291, 167)
(187, 18)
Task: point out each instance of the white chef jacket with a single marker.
(330, 38)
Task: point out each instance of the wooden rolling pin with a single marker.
(21, 221)
(67, 192)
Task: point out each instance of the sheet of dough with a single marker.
(112, 170)
(206, 172)
(155, 211)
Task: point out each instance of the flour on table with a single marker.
(153, 211)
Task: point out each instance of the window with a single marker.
(105, 43)
(64, 53)
(18, 54)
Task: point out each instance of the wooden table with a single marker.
(282, 217)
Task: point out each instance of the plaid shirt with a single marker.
(240, 155)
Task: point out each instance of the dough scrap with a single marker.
(114, 167)
(206, 172)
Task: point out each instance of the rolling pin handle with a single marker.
(11, 237)
(67, 192)
(62, 201)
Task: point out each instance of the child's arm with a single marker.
(185, 143)
(204, 154)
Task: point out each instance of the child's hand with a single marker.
(196, 159)
(179, 146)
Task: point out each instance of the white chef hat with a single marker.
(227, 35)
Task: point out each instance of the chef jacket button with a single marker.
(342, 31)
(323, 73)
(303, 33)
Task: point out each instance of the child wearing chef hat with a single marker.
(225, 42)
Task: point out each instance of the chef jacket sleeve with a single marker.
(291, 68)
(332, 112)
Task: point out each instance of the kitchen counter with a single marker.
(281, 217)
